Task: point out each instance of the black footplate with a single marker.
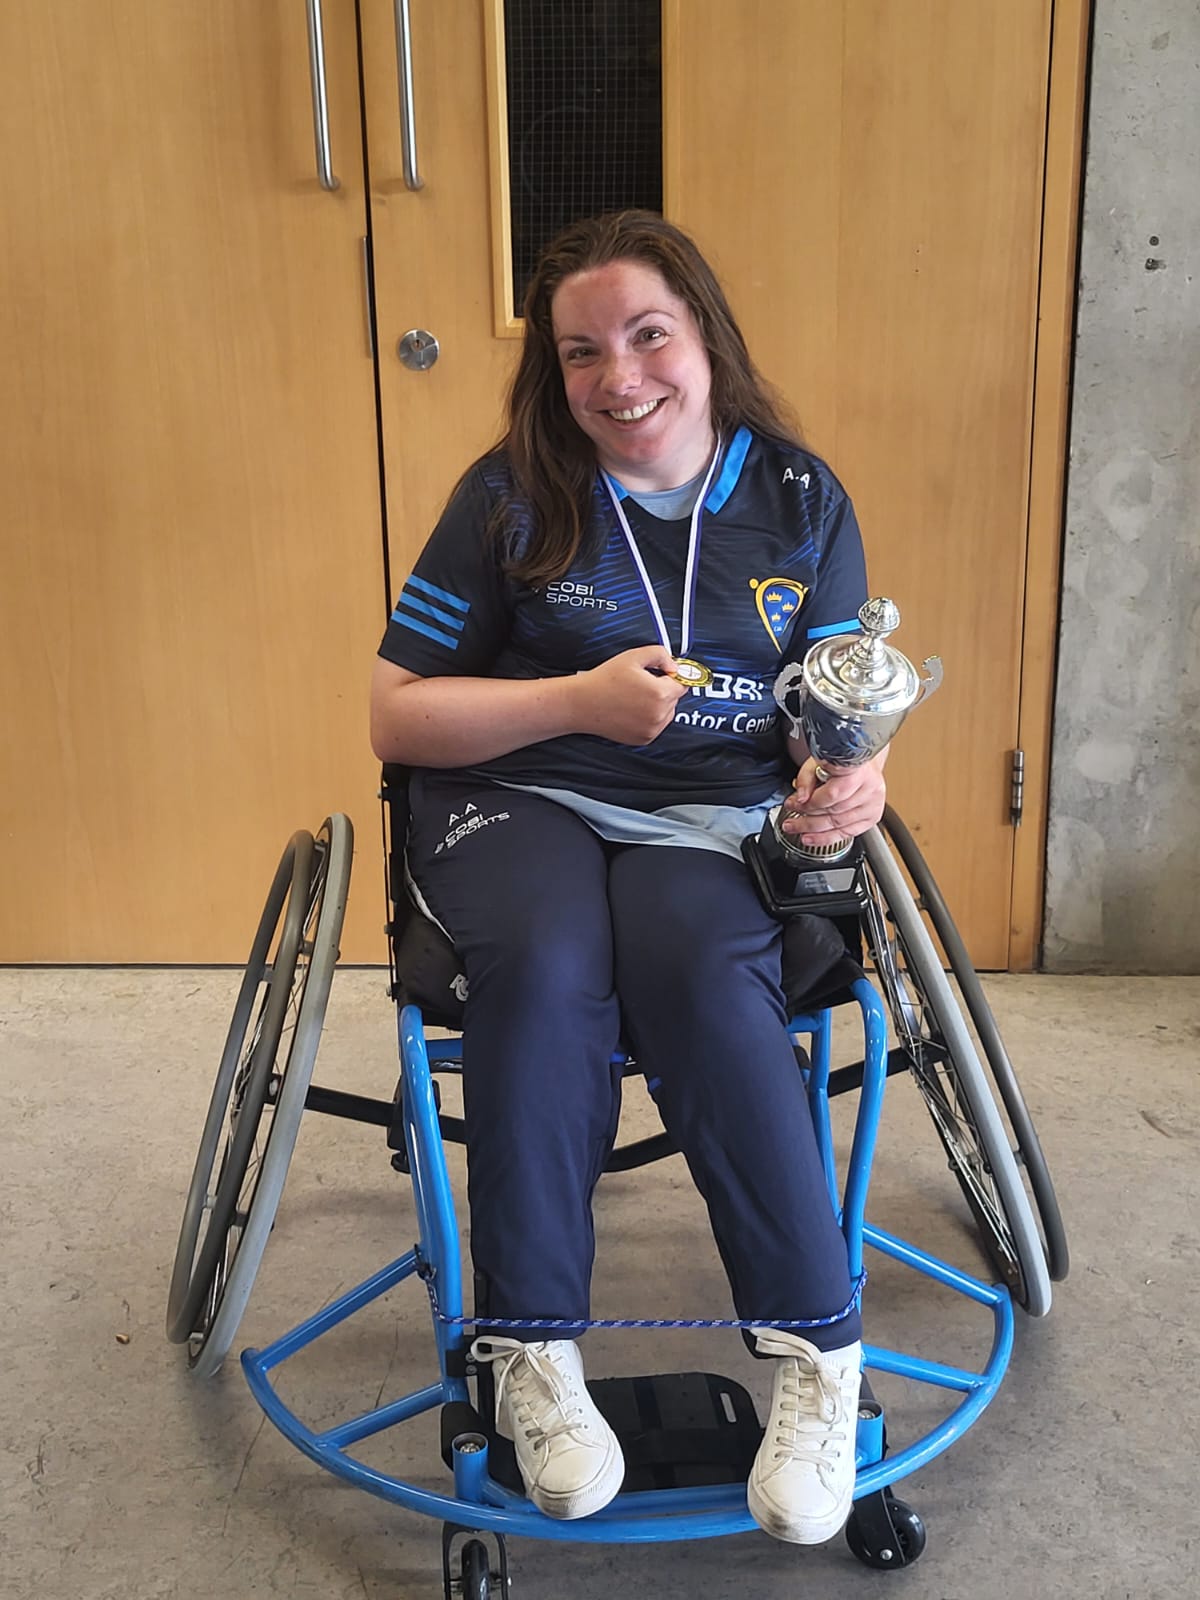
(678, 1430)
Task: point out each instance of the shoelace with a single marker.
(810, 1405)
(536, 1389)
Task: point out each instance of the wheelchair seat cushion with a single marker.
(818, 968)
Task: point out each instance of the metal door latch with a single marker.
(418, 350)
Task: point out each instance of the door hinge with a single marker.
(1016, 792)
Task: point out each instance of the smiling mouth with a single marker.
(636, 413)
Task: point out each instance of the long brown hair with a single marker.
(553, 460)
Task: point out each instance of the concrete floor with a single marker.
(125, 1477)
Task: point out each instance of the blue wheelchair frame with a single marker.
(478, 1501)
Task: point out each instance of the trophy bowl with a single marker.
(846, 700)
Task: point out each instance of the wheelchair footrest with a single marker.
(677, 1430)
(681, 1429)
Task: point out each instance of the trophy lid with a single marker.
(858, 674)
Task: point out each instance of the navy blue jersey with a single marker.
(780, 563)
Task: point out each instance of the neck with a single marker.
(654, 477)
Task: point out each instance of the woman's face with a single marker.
(636, 373)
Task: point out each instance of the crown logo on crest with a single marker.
(777, 601)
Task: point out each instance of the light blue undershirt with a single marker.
(671, 505)
(691, 826)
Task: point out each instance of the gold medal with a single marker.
(692, 673)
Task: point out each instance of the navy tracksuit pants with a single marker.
(568, 943)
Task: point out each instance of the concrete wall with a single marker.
(1123, 885)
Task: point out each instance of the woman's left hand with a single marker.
(847, 803)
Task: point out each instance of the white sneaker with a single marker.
(569, 1457)
(801, 1486)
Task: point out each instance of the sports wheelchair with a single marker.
(688, 1438)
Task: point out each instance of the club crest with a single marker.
(777, 600)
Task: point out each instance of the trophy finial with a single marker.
(879, 617)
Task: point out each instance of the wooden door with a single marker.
(868, 179)
(191, 524)
(433, 251)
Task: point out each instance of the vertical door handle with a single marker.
(408, 121)
(316, 70)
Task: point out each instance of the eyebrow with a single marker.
(585, 338)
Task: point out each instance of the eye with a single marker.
(577, 354)
(651, 335)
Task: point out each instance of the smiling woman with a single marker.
(635, 373)
(581, 665)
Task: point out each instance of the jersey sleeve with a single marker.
(452, 615)
(841, 586)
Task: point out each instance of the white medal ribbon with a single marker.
(693, 559)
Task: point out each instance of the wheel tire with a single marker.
(910, 1539)
(1028, 1146)
(476, 1571)
(241, 1166)
(947, 1070)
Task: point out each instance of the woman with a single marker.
(580, 670)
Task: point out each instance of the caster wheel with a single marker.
(476, 1573)
(887, 1537)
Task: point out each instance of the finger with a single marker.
(850, 825)
(848, 790)
(802, 826)
(800, 799)
(805, 781)
(859, 817)
(653, 658)
(798, 805)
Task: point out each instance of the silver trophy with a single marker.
(847, 699)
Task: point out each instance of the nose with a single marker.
(622, 372)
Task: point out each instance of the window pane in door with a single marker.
(584, 82)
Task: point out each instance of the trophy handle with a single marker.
(790, 678)
(932, 665)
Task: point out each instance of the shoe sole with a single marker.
(801, 1531)
(592, 1498)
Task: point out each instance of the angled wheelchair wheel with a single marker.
(258, 1098)
(1028, 1149)
(931, 1030)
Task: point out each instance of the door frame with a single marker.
(1062, 196)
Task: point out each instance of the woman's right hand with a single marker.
(629, 698)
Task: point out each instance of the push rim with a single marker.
(946, 1068)
(244, 1071)
(261, 1103)
(1030, 1157)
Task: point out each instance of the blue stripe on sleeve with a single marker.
(849, 626)
(423, 627)
(437, 594)
(413, 604)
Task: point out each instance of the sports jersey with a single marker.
(777, 563)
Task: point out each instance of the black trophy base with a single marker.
(789, 886)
